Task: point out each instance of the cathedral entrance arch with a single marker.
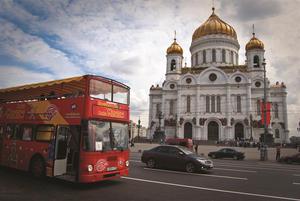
(239, 131)
(188, 130)
(213, 131)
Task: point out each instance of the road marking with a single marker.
(258, 168)
(205, 175)
(210, 189)
(135, 161)
(296, 183)
(296, 175)
(250, 171)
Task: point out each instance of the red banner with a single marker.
(268, 112)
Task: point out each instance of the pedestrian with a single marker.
(196, 149)
(278, 152)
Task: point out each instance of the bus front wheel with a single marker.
(37, 167)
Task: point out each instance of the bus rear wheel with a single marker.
(37, 167)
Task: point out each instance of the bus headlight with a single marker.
(90, 168)
(127, 163)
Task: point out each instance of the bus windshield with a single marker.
(106, 136)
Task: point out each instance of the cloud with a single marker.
(33, 50)
(244, 10)
(20, 76)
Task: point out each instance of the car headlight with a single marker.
(90, 168)
(127, 163)
(201, 161)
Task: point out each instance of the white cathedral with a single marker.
(217, 99)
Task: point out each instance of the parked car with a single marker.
(227, 153)
(175, 157)
(290, 159)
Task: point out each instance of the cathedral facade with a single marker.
(217, 99)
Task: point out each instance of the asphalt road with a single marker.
(230, 180)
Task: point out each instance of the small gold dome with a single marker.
(254, 43)
(175, 48)
(214, 25)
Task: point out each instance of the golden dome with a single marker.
(254, 43)
(214, 25)
(175, 48)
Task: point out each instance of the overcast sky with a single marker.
(43, 40)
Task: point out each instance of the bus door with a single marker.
(61, 150)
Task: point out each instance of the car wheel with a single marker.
(235, 158)
(151, 163)
(289, 161)
(190, 167)
(213, 156)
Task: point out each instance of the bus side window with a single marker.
(1, 131)
(1, 135)
(17, 133)
(44, 133)
(26, 132)
(9, 131)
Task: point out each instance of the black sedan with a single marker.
(175, 157)
(227, 153)
(291, 159)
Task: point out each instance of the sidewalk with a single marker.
(250, 153)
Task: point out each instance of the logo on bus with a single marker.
(101, 165)
(51, 111)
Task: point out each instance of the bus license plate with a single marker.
(111, 168)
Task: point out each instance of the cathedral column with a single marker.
(178, 111)
(248, 110)
(285, 117)
(198, 106)
(248, 100)
(227, 112)
(150, 134)
(163, 110)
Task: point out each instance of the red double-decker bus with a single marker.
(74, 129)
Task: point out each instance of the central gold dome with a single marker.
(214, 25)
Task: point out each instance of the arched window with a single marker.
(213, 109)
(188, 104)
(218, 104)
(256, 61)
(223, 56)
(204, 56)
(231, 57)
(277, 135)
(213, 55)
(173, 64)
(207, 103)
(276, 110)
(171, 107)
(238, 103)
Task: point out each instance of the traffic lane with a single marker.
(255, 183)
(15, 186)
(245, 165)
(248, 163)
